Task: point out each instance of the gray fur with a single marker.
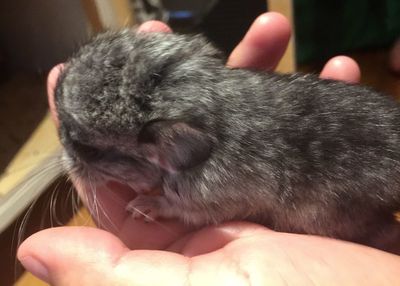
(296, 153)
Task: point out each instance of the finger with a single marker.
(154, 26)
(342, 68)
(51, 85)
(89, 256)
(264, 44)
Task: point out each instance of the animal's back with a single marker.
(333, 149)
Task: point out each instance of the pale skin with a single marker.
(132, 252)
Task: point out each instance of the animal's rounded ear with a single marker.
(173, 145)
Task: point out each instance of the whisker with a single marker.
(23, 167)
(20, 232)
(55, 194)
(152, 220)
(27, 204)
(105, 214)
(75, 200)
(94, 211)
(99, 208)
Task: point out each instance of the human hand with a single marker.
(222, 254)
(229, 254)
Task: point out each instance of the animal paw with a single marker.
(146, 207)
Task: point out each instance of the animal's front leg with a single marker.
(150, 207)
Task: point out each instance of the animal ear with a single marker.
(174, 145)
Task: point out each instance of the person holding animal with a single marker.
(132, 252)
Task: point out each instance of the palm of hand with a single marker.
(229, 254)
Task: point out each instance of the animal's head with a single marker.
(134, 106)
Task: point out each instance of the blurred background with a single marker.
(36, 35)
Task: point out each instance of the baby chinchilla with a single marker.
(293, 152)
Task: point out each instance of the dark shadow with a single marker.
(23, 105)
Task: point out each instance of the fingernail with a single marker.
(35, 267)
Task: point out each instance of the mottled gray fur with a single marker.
(296, 153)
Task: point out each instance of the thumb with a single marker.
(90, 256)
(63, 255)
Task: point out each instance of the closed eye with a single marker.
(87, 152)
